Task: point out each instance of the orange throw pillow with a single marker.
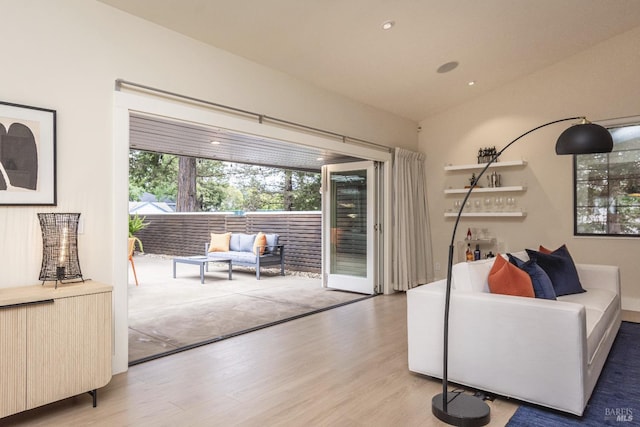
(544, 250)
(507, 279)
(260, 243)
(219, 242)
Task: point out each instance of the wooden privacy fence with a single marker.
(184, 234)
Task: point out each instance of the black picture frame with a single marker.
(27, 155)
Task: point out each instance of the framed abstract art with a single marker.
(27, 155)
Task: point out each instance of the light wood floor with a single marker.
(343, 367)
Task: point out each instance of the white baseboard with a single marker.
(632, 304)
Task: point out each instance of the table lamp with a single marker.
(59, 247)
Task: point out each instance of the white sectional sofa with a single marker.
(547, 352)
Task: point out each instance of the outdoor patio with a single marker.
(167, 314)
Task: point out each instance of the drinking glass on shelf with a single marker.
(477, 205)
(456, 205)
(499, 202)
(484, 234)
(487, 204)
(511, 203)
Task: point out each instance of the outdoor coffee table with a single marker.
(202, 261)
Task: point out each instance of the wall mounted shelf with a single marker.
(477, 166)
(485, 190)
(485, 245)
(513, 188)
(518, 214)
(490, 241)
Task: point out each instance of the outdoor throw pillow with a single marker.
(542, 286)
(507, 279)
(561, 269)
(246, 242)
(260, 243)
(272, 241)
(234, 243)
(219, 242)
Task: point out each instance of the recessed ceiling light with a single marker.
(214, 142)
(320, 159)
(387, 25)
(471, 83)
(449, 66)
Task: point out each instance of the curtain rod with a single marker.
(630, 119)
(261, 117)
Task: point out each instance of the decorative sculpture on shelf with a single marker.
(486, 154)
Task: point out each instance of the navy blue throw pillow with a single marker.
(542, 286)
(561, 270)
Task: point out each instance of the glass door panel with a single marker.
(348, 217)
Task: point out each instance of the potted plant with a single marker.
(136, 223)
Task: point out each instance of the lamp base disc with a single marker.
(462, 410)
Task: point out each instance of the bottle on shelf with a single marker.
(469, 234)
(469, 254)
(476, 253)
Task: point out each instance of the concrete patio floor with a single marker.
(167, 314)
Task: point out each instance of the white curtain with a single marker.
(412, 256)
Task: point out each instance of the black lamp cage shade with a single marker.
(59, 247)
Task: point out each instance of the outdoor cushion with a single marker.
(246, 242)
(236, 256)
(259, 243)
(234, 243)
(272, 241)
(219, 242)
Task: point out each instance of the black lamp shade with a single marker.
(584, 138)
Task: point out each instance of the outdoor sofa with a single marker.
(544, 351)
(248, 250)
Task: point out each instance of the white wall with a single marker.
(602, 82)
(65, 55)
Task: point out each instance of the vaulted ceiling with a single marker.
(340, 45)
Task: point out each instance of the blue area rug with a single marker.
(616, 398)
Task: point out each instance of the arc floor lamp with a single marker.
(461, 409)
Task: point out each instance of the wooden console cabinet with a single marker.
(54, 343)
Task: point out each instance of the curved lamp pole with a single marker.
(462, 409)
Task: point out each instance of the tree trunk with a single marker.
(186, 185)
(288, 191)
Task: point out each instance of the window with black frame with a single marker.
(607, 187)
